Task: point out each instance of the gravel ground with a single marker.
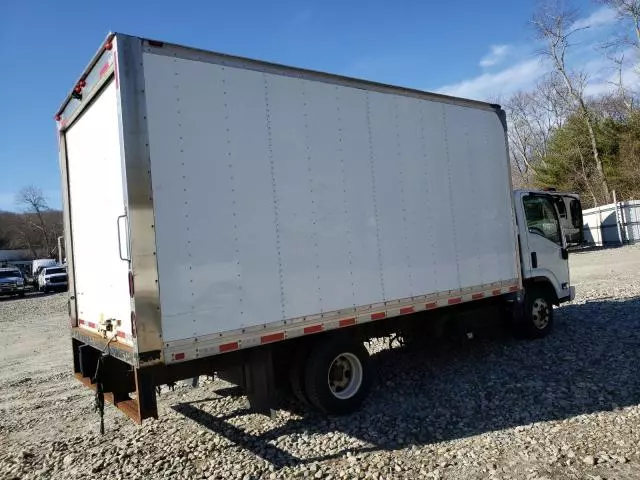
(565, 407)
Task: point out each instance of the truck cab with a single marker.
(548, 223)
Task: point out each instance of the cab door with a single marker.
(544, 252)
(570, 213)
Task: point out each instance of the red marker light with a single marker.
(108, 45)
(131, 286)
(134, 332)
(58, 117)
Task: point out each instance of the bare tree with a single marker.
(628, 10)
(34, 205)
(555, 26)
(533, 117)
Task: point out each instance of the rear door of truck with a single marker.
(97, 209)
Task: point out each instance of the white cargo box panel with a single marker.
(98, 226)
(279, 197)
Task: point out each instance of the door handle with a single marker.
(534, 260)
(120, 238)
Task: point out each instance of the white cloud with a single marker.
(488, 86)
(605, 79)
(601, 17)
(496, 55)
(521, 71)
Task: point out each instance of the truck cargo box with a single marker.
(215, 203)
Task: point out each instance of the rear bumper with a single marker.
(118, 380)
(11, 290)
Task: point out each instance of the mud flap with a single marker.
(259, 379)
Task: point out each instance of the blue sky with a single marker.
(476, 49)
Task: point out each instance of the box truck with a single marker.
(261, 222)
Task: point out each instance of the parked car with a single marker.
(11, 282)
(36, 268)
(52, 278)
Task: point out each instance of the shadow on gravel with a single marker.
(589, 364)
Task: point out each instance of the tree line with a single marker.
(562, 137)
(35, 228)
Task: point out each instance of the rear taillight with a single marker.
(131, 289)
(133, 325)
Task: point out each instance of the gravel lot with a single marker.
(565, 407)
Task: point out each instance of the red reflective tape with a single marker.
(313, 329)
(453, 301)
(227, 347)
(514, 289)
(477, 296)
(91, 325)
(497, 292)
(347, 322)
(274, 337)
(104, 69)
(179, 356)
(121, 334)
(378, 316)
(430, 306)
(405, 310)
(81, 322)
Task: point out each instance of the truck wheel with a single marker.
(337, 376)
(296, 375)
(537, 320)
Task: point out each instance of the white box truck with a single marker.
(260, 222)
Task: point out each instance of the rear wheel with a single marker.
(337, 376)
(537, 319)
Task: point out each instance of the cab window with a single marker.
(542, 218)
(576, 213)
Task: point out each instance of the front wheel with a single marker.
(537, 319)
(338, 376)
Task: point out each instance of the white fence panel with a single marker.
(612, 224)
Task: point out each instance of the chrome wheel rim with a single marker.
(540, 313)
(345, 376)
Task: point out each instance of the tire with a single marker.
(348, 362)
(296, 375)
(21, 295)
(537, 317)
